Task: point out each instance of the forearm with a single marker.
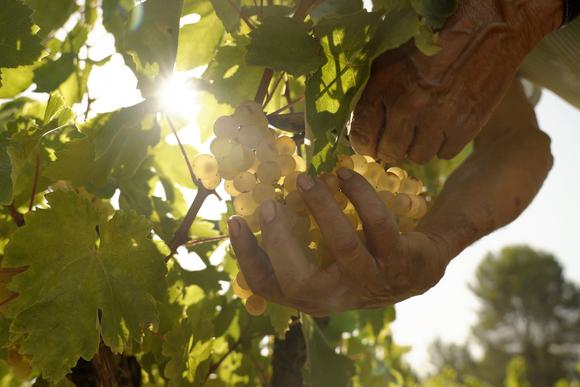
(496, 183)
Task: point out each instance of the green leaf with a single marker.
(5, 175)
(194, 51)
(283, 43)
(435, 11)
(52, 73)
(324, 366)
(87, 278)
(188, 345)
(15, 81)
(426, 41)
(280, 317)
(50, 15)
(232, 81)
(147, 37)
(227, 14)
(18, 45)
(335, 7)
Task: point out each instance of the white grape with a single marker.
(226, 127)
(266, 151)
(245, 181)
(290, 181)
(399, 172)
(250, 113)
(285, 145)
(204, 166)
(359, 164)
(255, 305)
(244, 204)
(263, 192)
(287, 164)
(388, 182)
(269, 172)
(221, 147)
(411, 185)
(252, 135)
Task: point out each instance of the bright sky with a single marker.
(550, 223)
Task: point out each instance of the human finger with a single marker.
(253, 261)
(351, 255)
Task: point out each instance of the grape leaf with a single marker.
(280, 317)
(324, 367)
(231, 80)
(227, 14)
(426, 41)
(15, 80)
(350, 43)
(283, 43)
(147, 37)
(192, 50)
(18, 45)
(188, 345)
(50, 15)
(335, 7)
(435, 11)
(5, 174)
(52, 73)
(87, 278)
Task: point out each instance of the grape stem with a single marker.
(288, 105)
(269, 95)
(195, 242)
(242, 16)
(181, 236)
(16, 216)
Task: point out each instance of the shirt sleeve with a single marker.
(555, 63)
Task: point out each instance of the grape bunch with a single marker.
(258, 164)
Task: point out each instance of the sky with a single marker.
(551, 223)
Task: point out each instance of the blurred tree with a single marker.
(528, 323)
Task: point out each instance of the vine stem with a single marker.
(36, 177)
(195, 242)
(270, 95)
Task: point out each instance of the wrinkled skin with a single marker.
(418, 107)
(511, 159)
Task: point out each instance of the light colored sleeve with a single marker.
(555, 63)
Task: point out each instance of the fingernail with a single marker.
(233, 227)
(268, 211)
(344, 174)
(305, 182)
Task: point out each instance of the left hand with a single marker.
(389, 268)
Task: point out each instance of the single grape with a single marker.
(290, 182)
(295, 202)
(388, 182)
(285, 145)
(287, 164)
(341, 200)
(399, 172)
(300, 163)
(245, 181)
(402, 204)
(344, 161)
(263, 192)
(374, 172)
(244, 204)
(411, 185)
(252, 135)
(240, 286)
(204, 166)
(256, 305)
(269, 172)
(331, 182)
(250, 113)
(266, 151)
(418, 207)
(221, 147)
(253, 220)
(230, 188)
(226, 127)
(359, 164)
(211, 182)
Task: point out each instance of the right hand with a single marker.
(416, 107)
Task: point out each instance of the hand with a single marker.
(390, 267)
(416, 107)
